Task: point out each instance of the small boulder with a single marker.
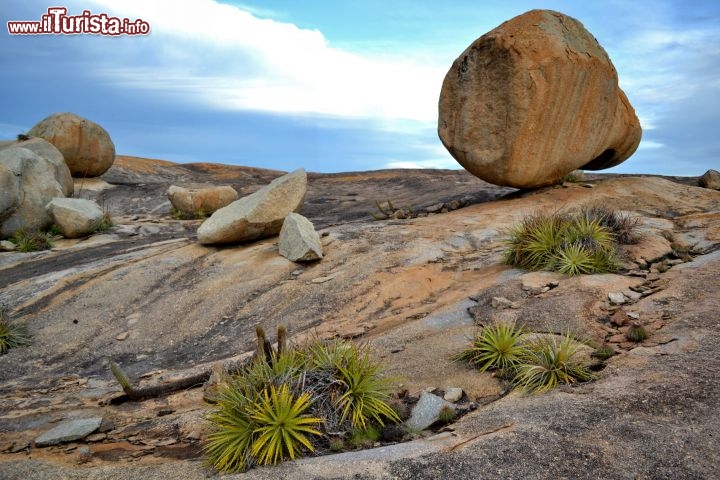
(69, 431)
(7, 246)
(534, 99)
(299, 242)
(86, 146)
(201, 201)
(426, 411)
(27, 183)
(258, 215)
(710, 179)
(75, 217)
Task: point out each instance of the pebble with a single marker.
(122, 336)
(616, 298)
(453, 394)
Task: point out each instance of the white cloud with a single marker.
(228, 58)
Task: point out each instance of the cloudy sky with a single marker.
(339, 85)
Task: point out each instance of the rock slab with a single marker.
(201, 201)
(533, 100)
(85, 145)
(75, 217)
(258, 215)
(69, 431)
(426, 411)
(28, 181)
(299, 242)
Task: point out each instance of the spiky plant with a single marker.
(550, 362)
(365, 393)
(12, 334)
(282, 427)
(573, 259)
(228, 446)
(623, 227)
(497, 346)
(533, 242)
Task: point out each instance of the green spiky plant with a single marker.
(366, 394)
(551, 361)
(447, 414)
(580, 242)
(285, 398)
(12, 334)
(282, 427)
(495, 347)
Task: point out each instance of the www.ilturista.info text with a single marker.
(57, 22)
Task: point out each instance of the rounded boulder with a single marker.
(534, 99)
(85, 145)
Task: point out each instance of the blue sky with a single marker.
(339, 86)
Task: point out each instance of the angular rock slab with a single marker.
(426, 411)
(69, 431)
(533, 100)
(75, 217)
(86, 146)
(258, 215)
(299, 242)
(205, 200)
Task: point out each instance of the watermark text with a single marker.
(57, 22)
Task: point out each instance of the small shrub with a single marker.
(106, 223)
(623, 227)
(54, 231)
(32, 241)
(550, 362)
(336, 444)
(364, 437)
(447, 414)
(496, 347)
(573, 177)
(603, 353)
(12, 334)
(636, 333)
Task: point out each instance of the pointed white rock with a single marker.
(299, 242)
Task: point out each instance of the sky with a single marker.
(344, 85)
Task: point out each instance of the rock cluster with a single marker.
(260, 214)
(31, 175)
(85, 145)
(533, 100)
(201, 201)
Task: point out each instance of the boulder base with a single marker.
(534, 99)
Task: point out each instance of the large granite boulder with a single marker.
(258, 215)
(86, 146)
(201, 201)
(75, 217)
(533, 100)
(28, 181)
